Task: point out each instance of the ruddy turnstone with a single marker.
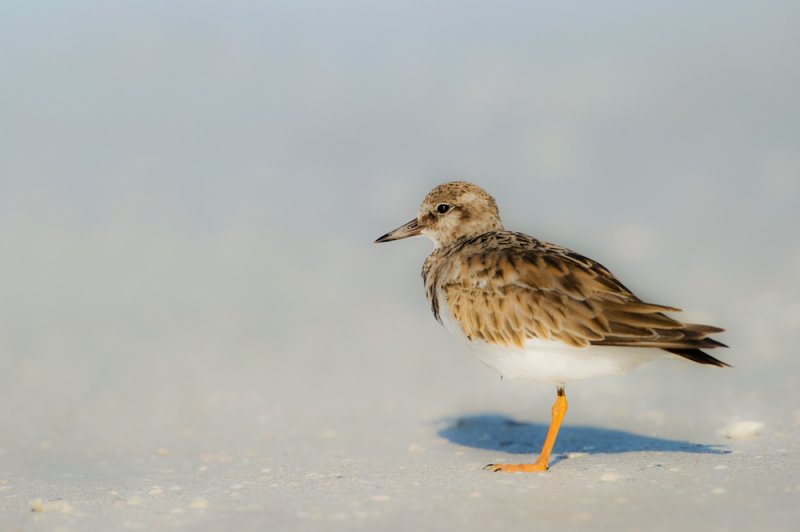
(535, 310)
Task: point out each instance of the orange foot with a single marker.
(537, 467)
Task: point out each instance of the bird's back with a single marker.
(515, 294)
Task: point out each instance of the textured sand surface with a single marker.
(312, 462)
(197, 333)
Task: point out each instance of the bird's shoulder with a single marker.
(505, 288)
(506, 258)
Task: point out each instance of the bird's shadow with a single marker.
(500, 433)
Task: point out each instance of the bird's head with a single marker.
(450, 212)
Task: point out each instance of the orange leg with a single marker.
(541, 463)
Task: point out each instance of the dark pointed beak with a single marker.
(412, 228)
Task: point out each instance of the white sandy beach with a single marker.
(384, 423)
(197, 333)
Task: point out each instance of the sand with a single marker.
(395, 443)
(197, 333)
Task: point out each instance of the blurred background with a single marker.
(189, 192)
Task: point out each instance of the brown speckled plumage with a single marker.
(505, 287)
(535, 310)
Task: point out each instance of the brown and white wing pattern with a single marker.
(505, 288)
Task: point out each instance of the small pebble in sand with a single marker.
(221, 457)
(720, 467)
(37, 505)
(740, 430)
(610, 476)
(156, 491)
(718, 491)
(51, 506)
(573, 455)
(416, 448)
(198, 504)
(380, 498)
(135, 501)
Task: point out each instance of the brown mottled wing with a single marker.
(508, 294)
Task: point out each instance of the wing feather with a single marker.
(507, 294)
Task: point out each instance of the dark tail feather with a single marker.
(696, 355)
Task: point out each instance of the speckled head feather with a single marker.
(468, 211)
(449, 213)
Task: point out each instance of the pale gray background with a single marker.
(196, 331)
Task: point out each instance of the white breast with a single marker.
(548, 361)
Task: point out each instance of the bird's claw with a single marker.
(536, 467)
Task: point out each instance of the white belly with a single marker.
(550, 362)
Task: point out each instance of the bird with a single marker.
(535, 310)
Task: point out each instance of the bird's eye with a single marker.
(442, 208)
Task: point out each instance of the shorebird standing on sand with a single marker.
(534, 310)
